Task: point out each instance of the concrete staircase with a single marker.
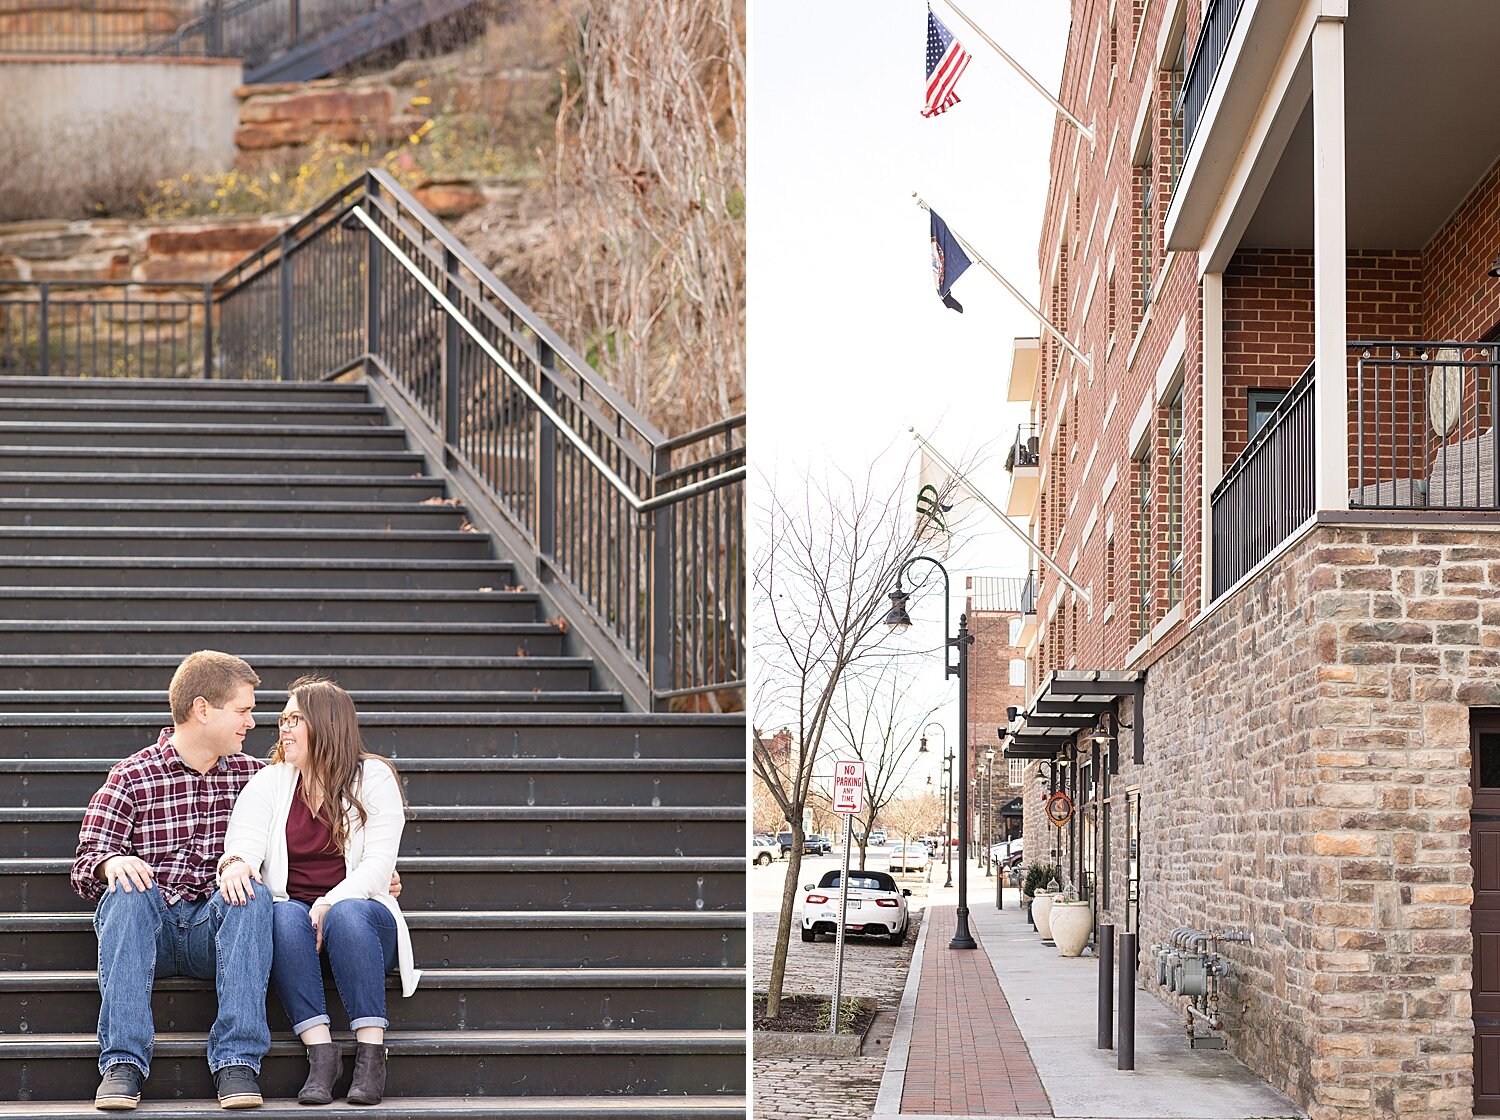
(573, 872)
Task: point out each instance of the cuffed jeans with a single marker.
(359, 936)
(141, 937)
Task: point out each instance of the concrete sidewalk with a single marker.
(977, 1030)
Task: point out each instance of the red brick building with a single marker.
(997, 682)
(1277, 707)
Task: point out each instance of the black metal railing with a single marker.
(256, 31)
(1030, 592)
(1268, 492)
(1213, 40)
(1026, 451)
(1424, 431)
(641, 537)
(100, 328)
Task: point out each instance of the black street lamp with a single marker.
(898, 619)
(947, 797)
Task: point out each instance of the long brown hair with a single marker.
(335, 752)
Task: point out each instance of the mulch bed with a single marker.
(809, 1015)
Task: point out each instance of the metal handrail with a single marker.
(1203, 68)
(1299, 389)
(637, 503)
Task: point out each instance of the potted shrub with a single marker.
(1071, 921)
(1041, 909)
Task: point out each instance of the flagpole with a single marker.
(1088, 132)
(1011, 288)
(1004, 517)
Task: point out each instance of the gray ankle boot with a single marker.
(369, 1073)
(324, 1064)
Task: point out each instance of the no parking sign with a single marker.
(848, 786)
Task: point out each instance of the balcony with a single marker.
(1023, 634)
(1024, 464)
(1421, 440)
(1024, 355)
(1213, 40)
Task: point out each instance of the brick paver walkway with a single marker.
(967, 1055)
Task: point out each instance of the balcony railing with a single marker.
(1424, 432)
(1026, 451)
(1030, 591)
(1268, 491)
(1213, 40)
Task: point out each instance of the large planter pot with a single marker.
(1071, 923)
(1041, 909)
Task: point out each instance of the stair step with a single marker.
(95, 409)
(342, 544)
(264, 487)
(400, 733)
(185, 389)
(118, 513)
(60, 782)
(460, 939)
(290, 439)
(464, 830)
(209, 461)
(483, 679)
(247, 639)
(475, 1063)
(723, 1107)
(122, 570)
(183, 604)
(479, 882)
(485, 999)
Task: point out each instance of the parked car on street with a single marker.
(877, 907)
(912, 856)
(877, 837)
(811, 845)
(1004, 849)
(763, 850)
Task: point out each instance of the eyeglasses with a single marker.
(290, 722)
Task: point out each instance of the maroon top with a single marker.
(314, 865)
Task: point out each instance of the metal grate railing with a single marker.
(1268, 491)
(1203, 69)
(1026, 451)
(1424, 425)
(640, 534)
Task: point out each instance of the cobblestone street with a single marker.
(815, 1088)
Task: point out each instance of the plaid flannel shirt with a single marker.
(155, 806)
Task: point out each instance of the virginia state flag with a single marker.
(948, 261)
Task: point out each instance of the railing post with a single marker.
(208, 331)
(372, 277)
(448, 367)
(294, 23)
(214, 29)
(662, 584)
(284, 276)
(43, 329)
(546, 459)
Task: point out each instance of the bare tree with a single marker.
(874, 722)
(830, 550)
(914, 815)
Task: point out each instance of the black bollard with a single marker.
(1125, 1041)
(1106, 987)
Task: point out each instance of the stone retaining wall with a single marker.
(124, 250)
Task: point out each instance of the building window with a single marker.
(1109, 569)
(1262, 404)
(1018, 672)
(1133, 859)
(1109, 297)
(1146, 235)
(1015, 773)
(1143, 550)
(1175, 132)
(1175, 443)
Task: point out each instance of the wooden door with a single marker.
(1484, 733)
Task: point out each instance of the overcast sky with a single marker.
(849, 345)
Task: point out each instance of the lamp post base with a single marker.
(962, 938)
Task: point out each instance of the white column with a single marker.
(1212, 467)
(1330, 266)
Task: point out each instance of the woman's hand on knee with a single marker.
(235, 881)
(318, 915)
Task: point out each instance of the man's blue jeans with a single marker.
(359, 936)
(141, 938)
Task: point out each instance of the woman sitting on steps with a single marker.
(329, 873)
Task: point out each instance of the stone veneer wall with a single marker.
(1307, 779)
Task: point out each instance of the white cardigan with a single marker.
(257, 834)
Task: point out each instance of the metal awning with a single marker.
(1071, 701)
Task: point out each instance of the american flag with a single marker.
(946, 60)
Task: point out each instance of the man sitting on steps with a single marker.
(148, 855)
